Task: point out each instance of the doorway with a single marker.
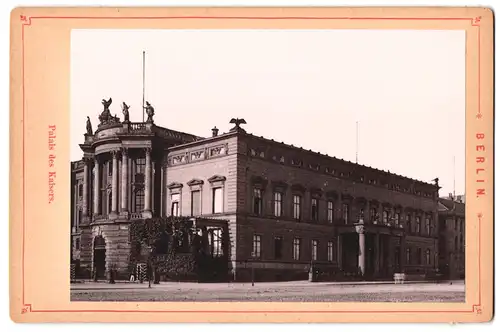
(100, 257)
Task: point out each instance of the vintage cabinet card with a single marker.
(251, 164)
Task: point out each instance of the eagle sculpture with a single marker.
(106, 103)
(237, 122)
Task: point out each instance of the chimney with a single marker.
(215, 131)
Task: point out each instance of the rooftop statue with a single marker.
(106, 117)
(89, 127)
(150, 111)
(237, 122)
(125, 108)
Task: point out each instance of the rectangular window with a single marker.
(385, 217)
(373, 214)
(314, 209)
(330, 251)
(408, 222)
(419, 255)
(77, 244)
(396, 218)
(217, 200)
(345, 213)
(296, 249)
(278, 204)
(428, 257)
(195, 203)
(296, 207)
(257, 201)
(418, 225)
(110, 168)
(140, 170)
(314, 250)
(330, 211)
(278, 247)
(175, 204)
(256, 252)
(428, 226)
(408, 256)
(215, 242)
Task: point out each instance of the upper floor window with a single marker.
(80, 190)
(278, 203)
(373, 214)
(110, 168)
(428, 226)
(330, 251)
(385, 216)
(330, 211)
(428, 257)
(80, 216)
(278, 247)
(175, 199)
(408, 256)
(314, 250)
(397, 217)
(77, 244)
(257, 201)
(139, 200)
(345, 213)
(296, 249)
(408, 222)
(418, 221)
(195, 202)
(140, 165)
(314, 209)
(217, 200)
(256, 248)
(297, 200)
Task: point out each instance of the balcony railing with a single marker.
(135, 126)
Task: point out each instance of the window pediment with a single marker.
(280, 184)
(259, 180)
(347, 197)
(195, 182)
(175, 185)
(332, 194)
(298, 187)
(217, 178)
(316, 192)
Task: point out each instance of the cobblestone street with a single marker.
(271, 292)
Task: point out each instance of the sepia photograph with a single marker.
(268, 165)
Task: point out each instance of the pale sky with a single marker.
(405, 88)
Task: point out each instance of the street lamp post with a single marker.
(150, 267)
(253, 271)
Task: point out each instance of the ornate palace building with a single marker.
(287, 208)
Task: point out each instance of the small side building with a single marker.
(451, 212)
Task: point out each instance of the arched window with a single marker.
(139, 200)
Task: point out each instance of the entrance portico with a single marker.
(371, 251)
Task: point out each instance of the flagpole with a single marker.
(356, 142)
(143, 80)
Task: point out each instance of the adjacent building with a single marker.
(452, 237)
(289, 210)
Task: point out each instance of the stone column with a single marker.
(362, 254)
(124, 188)
(97, 187)
(114, 184)
(85, 188)
(147, 191)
